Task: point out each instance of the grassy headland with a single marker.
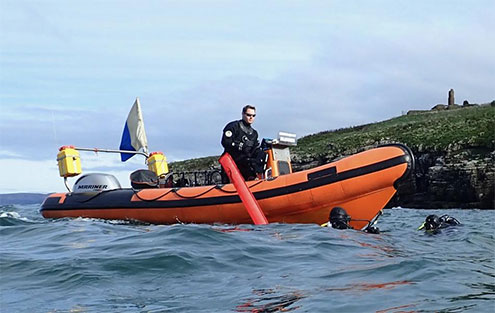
(446, 130)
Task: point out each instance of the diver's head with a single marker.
(432, 222)
(248, 114)
(339, 218)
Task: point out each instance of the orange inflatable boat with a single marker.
(362, 184)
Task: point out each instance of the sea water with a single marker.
(89, 265)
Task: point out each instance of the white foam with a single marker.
(10, 214)
(13, 215)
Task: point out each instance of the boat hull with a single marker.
(362, 184)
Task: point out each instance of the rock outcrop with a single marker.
(464, 179)
(450, 179)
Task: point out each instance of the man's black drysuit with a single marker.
(240, 140)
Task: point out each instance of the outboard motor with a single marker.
(96, 182)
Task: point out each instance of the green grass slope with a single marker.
(446, 130)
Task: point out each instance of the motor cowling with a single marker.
(96, 182)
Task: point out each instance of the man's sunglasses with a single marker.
(250, 115)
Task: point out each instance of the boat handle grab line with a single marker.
(192, 197)
(226, 191)
(235, 191)
(175, 190)
(136, 192)
(93, 196)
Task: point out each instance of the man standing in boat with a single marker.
(240, 140)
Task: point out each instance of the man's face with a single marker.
(249, 116)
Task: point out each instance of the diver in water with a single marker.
(434, 223)
(339, 219)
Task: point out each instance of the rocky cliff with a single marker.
(451, 179)
(454, 152)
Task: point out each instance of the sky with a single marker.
(71, 70)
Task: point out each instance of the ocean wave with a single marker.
(12, 218)
(121, 266)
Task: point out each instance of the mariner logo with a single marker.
(92, 187)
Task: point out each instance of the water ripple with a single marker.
(90, 265)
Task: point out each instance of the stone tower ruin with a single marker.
(451, 97)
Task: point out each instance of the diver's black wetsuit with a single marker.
(240, 140)
(434, 223)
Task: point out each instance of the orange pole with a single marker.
(247, 197)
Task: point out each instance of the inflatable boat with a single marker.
(362, 184)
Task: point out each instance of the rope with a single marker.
(235, 191)
(204, 192)
(174, 190)
(136, 192)
(192, 197)
(94, 196)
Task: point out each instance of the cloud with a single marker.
(35, 175)
(75, 70)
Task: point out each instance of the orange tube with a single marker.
(247, 197)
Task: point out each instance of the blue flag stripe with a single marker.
(125, 144)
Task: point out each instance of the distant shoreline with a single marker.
(22, 198)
